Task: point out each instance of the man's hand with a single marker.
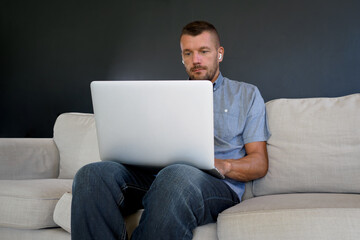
(254, 165)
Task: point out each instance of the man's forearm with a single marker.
(254, 165)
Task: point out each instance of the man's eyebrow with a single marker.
(201, 48)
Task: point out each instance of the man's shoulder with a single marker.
(242, 86)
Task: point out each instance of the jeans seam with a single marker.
(218, 198)
(221, 198)
(124, 235)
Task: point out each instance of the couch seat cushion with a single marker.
(62, 216)
(29, 234)
(293, 216)
(29, 204)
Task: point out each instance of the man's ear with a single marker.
(221, 52)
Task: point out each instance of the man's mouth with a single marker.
(198, 68)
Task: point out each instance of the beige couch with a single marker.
(312, 189)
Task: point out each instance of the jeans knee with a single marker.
(92, 176)
(84, 172)
(84, 177)
(179, 180)
(179, 173)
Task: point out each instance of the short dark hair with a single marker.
(197, 27)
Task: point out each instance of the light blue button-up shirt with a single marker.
(239, 118)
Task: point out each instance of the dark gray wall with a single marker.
(52, 50)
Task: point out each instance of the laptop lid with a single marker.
(155, 123)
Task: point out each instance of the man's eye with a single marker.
(187, 54)
(205, 51)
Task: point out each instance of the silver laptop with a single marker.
(155, 123)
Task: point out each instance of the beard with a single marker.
(209, 74)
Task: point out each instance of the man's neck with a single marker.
(215, 77)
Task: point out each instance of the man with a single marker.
(179, 197)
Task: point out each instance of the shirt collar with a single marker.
(218, 82)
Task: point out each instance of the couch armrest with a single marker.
(28, 158)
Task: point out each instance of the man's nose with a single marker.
(196, 58)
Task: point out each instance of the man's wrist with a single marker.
(227, 166)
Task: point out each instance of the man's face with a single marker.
(201, 56)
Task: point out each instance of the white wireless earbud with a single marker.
(220, 55)
(182, 61)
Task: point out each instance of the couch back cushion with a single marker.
(75, 137)
(28, 158)
(314, 146)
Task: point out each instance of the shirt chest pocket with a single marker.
(226, 126)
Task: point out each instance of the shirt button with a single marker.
(226, 110)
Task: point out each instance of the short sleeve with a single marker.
(256, 126)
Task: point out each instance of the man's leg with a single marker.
(104, 193)
(180, 199)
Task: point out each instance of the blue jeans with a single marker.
(175, 201)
